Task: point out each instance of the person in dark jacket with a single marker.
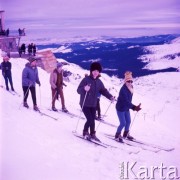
(23, 48)
(6, 72)
(29, 79)
(89, 88)
(124, 103)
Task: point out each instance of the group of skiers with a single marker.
(90, 88)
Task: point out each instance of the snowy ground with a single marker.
(35, 147)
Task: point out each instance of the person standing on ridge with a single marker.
(89, 88)
(6, 72)
(122, 107)
(29, 79)
(56, 82)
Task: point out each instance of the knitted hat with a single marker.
(128, 76)
(32, 59)
(59, 65)
(96, 66)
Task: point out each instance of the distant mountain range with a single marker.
(115, 54)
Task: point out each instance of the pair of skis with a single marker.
(10, 91)
(134, 143)
(143, 145)
(102, 144)
(44, 114)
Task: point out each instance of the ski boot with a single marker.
(93, 136)
(126, 135)
(86, 135)
(118, 137)
(36, 108)
(64, 110)
(54, 109)
(25, 105)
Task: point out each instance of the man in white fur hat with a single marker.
(122, 107)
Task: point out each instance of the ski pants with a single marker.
(55, 96)
(124, 119)
(8, 78)
(33, 93)
(90, 113)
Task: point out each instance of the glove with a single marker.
(137, 108)
(112, 99)
(87, 88)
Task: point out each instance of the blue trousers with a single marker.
(124, 119)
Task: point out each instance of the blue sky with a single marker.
(92, 14)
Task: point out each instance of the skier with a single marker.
(29, 79)
(122, 107)
(6, 72)
(88, 89)
(56, 81)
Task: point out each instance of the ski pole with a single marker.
(104, 114)
(80, 113)
(25, 95)
(40, 94)
(133, 121)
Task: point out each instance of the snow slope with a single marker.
(36, 147)
(163, 56)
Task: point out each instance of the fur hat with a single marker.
(128, 76)
(59, 64)
(96, 66)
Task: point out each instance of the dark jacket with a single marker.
(6, 68)
(124, 99)
(96, 87)
(30, 75)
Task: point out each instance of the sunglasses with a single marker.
(129, 81)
